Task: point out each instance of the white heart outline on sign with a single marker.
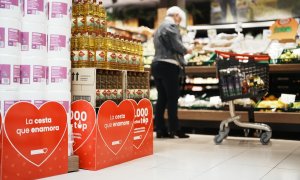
(38, 165)
(1, 123)
(147, 130)
(127, 135)
(96, 122)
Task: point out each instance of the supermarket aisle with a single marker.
(198, 158)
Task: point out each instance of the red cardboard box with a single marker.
(143, 129)
(108, 139)
(34, 141)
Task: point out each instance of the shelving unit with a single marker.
(274, 68)
(218, 115)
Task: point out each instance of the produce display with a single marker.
(289, 56)
(271, 104)
(201, 58)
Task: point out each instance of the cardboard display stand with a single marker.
(115, 136)
(34, 141)
(143, 128)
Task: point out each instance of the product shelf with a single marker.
(274, 68)
(207, 115)
(219, 115)
(277, 117)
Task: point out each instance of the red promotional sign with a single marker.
(0, 124)
(115, 123)
(142, 122)
(108, 139)
(34, 139)
(83, 120)
(24, 130)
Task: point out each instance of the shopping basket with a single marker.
(242, 76)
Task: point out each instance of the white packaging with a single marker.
(35, 11)
(9, 72)
(60, 13)
(10, 8)
(59, 42)
(59, 75)
(7, 99)
(34, 39)
(62, 97)
(38, 98)
(10, 36)
(33, 74)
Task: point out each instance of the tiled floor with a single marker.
(198, 158)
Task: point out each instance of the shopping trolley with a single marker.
(242, 76)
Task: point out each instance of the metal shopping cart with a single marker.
(242, 76)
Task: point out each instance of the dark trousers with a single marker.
(166, 77)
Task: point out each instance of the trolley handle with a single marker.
(243, 56)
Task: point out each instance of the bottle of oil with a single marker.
(123, 51)
(74, 51)
(119, 52)
(96, 15)
(135, 60)
(126, 52)
(74, 17)
(91, 48)
(100, 51)
(140, 56)
(83, 60)
(131, 55)
(81, 24)
(89, 16)
(102, 15)
(111, 52)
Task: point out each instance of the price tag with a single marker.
(215, 100)
(288, 98)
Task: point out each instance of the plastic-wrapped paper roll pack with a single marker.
(10, 36)
(60, 13)
(59, 75)
(34, 39)
(62, 97)
(7, 99)
(59, 42)
(33, 74)
(10, 8)
(35, 11)
(9, 72)
(38, 98)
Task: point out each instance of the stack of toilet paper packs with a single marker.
(35, 53)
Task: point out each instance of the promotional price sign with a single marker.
(83, 120)
(35, 142)
(115, 124)
(119, 133)
(284, 30)
(143, 128)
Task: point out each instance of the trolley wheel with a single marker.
(222, 135)
(218, 139)
(246, 132)
(265, 137)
